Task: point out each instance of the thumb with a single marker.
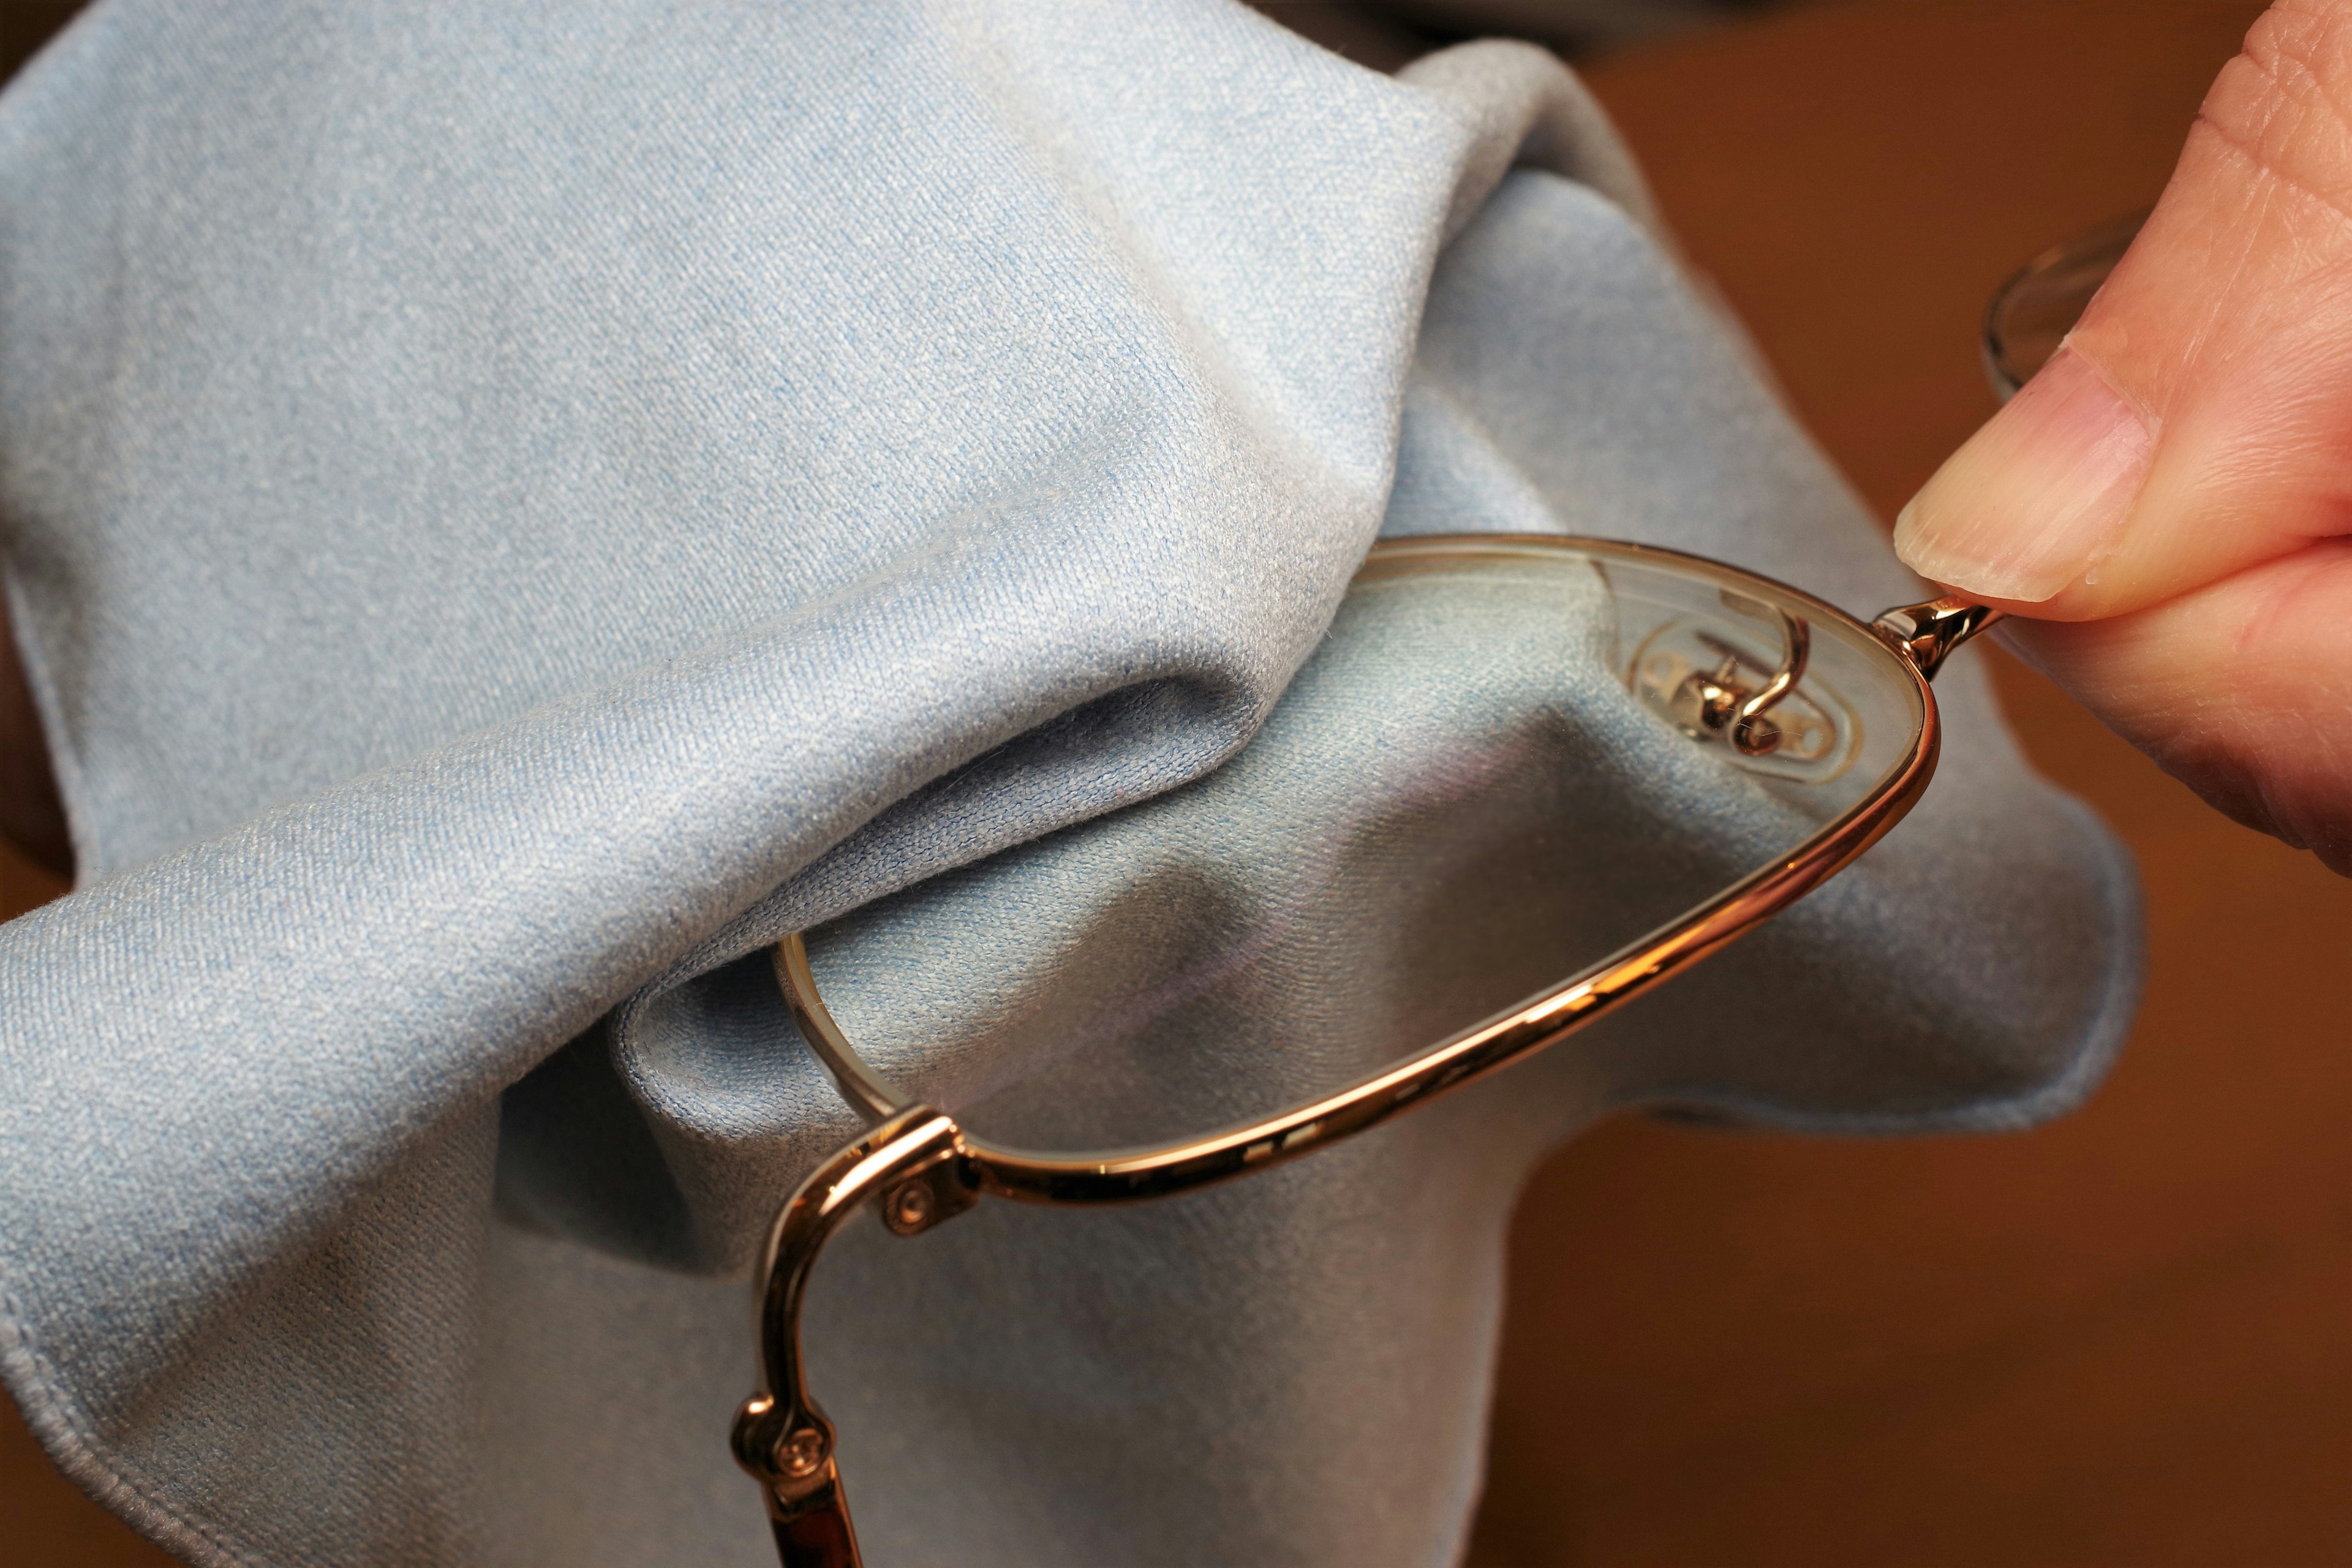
(2198, 420)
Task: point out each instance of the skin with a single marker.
(2168, 506)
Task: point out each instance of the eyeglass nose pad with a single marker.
(1722, 703)
(1715, 684)
(916, 1166)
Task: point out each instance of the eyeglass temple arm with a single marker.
(915, 1163)
(1926, 634)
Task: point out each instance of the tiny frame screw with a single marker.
(908, 1208)
(801, 1454)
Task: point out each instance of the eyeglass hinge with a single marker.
(931, 1193)
(1926, 634)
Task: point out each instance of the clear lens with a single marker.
(2032, 313)
(1510, 759)
(1677, 625)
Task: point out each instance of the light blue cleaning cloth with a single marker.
(510, 507)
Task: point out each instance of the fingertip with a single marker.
(2031, 504)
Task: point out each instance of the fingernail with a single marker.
(2036, 499)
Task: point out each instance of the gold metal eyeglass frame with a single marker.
(924, 1169)
(921, 1169)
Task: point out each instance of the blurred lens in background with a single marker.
(2032, 313)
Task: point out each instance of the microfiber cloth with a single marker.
(511, 508)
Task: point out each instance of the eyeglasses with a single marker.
(1835, 719)
(1832, 716)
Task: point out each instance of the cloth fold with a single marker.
(509, 509)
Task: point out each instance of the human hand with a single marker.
(2169, 503)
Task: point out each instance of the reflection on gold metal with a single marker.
(922, 1169)
(1926, 634)
(781, 1435)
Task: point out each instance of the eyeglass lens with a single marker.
(2032, 313)
(1506, 763)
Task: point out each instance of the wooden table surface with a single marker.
(2124, 1339)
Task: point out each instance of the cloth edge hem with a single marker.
(106, 1476)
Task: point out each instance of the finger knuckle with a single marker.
(2286, 101)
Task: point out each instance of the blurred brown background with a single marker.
(2125, 1339)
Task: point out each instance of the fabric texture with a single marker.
(511, 508)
